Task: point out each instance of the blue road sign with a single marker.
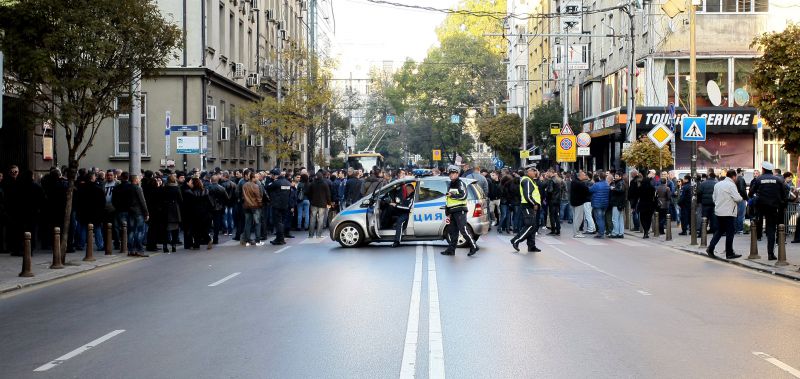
(389, 120)
(189, 128)
(693, 129)
(455, 119)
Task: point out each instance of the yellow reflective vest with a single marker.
(535, 196)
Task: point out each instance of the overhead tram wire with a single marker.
(496, 15)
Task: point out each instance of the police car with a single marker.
(369, 219)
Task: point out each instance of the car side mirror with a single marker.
(367, 203)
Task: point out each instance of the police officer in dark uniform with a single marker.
(401, 207)
(456, 210)
(278, 192)
(771, 196)
(531, 201)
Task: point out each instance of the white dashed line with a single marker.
(783, 366)
(78, 351)
(408, 367)
(435, 340)
(282, 249)
(225, 279)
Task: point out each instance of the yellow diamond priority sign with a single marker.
(660, 135)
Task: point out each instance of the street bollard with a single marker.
(26, 257)
(704, 232)
(123, 238)
(108, 242)
(753, 244)
(655, 224)
(781, 246)
(89, 244)
(668, 229)
(56, 249)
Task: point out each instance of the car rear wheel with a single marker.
(350, 235)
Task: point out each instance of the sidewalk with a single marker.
(10, 268)
(741, 244)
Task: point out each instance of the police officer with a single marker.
(771, 198)
(456, 210)
(531, 201)
(278, 192)
(401, 207)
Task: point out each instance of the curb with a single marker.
(765, 269)
(34, 283)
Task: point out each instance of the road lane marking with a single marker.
(78, 351)
(591, 241)
(628, 243)
(408, 367)
(281, 249)
(310, 240)
(783, 366)
(225, 279)
(435, 340)
(550, 240)
(593, 267)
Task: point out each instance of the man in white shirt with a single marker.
(726, 198)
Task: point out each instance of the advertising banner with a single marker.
(723, 150)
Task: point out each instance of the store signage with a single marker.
(722, 117)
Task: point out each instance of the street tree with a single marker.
(539, 121)
(776, 79)
(477, 18)
(501, 134)
(644, 154)
(70, 60)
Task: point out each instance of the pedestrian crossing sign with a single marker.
(693, 129)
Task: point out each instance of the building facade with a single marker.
(230, 57)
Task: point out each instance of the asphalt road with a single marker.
(580, 308)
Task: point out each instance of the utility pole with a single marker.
(693, 111)
(135, 146)
(631, 127)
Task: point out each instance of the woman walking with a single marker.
(647, 204)
(171, 201)
(198, 210)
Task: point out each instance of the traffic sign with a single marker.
(455, 119)
(566, 130)
(660, 135)
(693, 129)
(555, 128)
(187, 145)
(498, 163)
(584, 139)
(189, 128)
(584, 151)
(390, 120)
(566, 148)
(524, 154)
(437, 155)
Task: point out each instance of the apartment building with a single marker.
(229, 58)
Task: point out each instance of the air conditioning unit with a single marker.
(241, 129)
(211, 112)
(224, 134)
(238, 71)
(254, 80)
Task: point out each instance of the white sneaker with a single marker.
(579, 235)
(260, 243)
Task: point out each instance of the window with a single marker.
(609, 92)
(122, 126)
(221, 29)
(707, 70)
(207, 32)
(743, 93)
(735, 6)
(431, 190)
(241, 43)
(231, 37)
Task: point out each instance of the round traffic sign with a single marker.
(584, 139)
(566, 144)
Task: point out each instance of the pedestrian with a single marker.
(617, 203)
(705, 198)
(198, 209)
(531, 201)
(475, 173)
(647, 203)
(600, 193)
(136, 213)
(554, 188)
(771, 195)
(401, 207)
(373, 183)
(279, 192)
(633, 198)
(303, 203)
(494, 198)
(663, 200)
(578, 195)
(230, 190)
(352, 189)
(566, 208)
(685, 204)
(726, 199)
(171, 203)
(456, 211)
(252, 204)
(219, 201)
(506, 203)
(319, 195)
(90, 208)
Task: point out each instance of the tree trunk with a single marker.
(312, 146)
(71, 174)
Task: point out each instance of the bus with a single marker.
(365, 160)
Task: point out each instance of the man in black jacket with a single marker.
(219, 200)
(352, 188)
(279, 191)
(90, 202)
(578, 195)
(705, 196)
(771, 196)
(401, 207)
(319, 195)
(633, 197)
(741, 187)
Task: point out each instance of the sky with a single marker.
(368, 34)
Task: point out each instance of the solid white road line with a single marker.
(435, 348)
(783, 366)
(593, 267)
(78, 351)
(282, 249)
(225, 279)
(408, 367)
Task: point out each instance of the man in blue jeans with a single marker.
(600, 193)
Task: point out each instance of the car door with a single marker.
(427, 217)
(380, 201)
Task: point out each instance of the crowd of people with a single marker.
(250, 205)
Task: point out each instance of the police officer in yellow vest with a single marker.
(456, 210)
(531, 201)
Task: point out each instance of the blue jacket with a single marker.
(600, 192)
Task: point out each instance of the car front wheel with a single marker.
(350, 235)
